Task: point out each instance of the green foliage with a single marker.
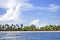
(32, 27)
(12, 27)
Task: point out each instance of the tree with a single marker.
(26, 28)
(21, 26)
(12, 25)
(32, 27)
(0, 27)
(58, 28)
(18, 27)
(6, 25)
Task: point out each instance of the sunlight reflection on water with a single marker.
(8, 36)
(29, 36)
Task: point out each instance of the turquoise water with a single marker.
(29, 35)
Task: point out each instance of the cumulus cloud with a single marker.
(12, 12)
(3, 3)
(35, 22)
(14, 9)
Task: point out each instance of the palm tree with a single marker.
(0, 27)
(3, 28)
(7, 25)
(12, 27)
(17, 27)
(21, 26)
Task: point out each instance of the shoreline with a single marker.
(25, 31)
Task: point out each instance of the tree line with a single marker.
(16, 27)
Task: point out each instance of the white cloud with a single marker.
(14, 10)
(13, 13)
(35, 22)
(3, 3)
(50, 7)
(53, 7)
(27, 6)
(43, 24)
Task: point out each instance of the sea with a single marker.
(29, 35)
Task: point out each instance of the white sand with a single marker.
(24, 31)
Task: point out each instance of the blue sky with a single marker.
(27, 12)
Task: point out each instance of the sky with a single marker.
(27, 12)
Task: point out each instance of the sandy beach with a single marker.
(24, 31)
